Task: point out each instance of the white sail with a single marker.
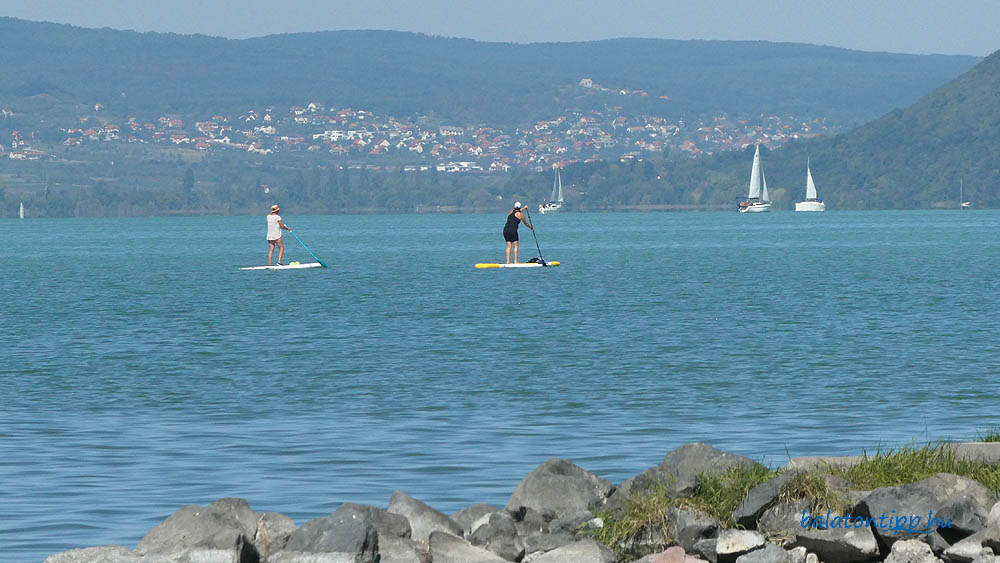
(755, 176)
(556, 189)
(20, 211)
(810, 185)
(763, 189)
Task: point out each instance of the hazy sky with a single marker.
(968, 27)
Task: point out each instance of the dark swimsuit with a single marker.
(510, 229)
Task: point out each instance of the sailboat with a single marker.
(20, 211)
(757, 200)
(556, 201)
(812, 203)
(961, 196)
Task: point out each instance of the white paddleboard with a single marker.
(286, 266)
(521, 265)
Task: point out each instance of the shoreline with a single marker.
(700, 504)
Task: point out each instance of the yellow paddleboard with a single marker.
(521, 265)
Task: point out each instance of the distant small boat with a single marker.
(556, 201)
(20, 211)
(961, 196)
(812, 203)
(757, 200)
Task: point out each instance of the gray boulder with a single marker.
(395, 549)
(570, 523)
(468, 515)
(497, 533)
(759, 499)
(423, 519)
(911, 551)
(706, 549)
(105, 554)
(529, 522)
(680, 469)
(733, 543)
(273, 531)
(304, 557)
(387, 523)
(784, 518)
(227, 524)
(448, 548)
(346, 531)
(542, 543)
(559, 487)
(838, 544)
(585, 551)
(691, 526)
(770, 553)
(967, 550)
(960, 504)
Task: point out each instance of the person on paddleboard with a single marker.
(274, 226)
(514, 219)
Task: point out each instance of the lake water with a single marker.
(140, 370)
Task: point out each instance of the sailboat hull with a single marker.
(549, 207)
(756, 208)
(810, 206)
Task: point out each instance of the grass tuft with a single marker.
(720, 494)
(909, 464)
(815, 487)
(991, 435)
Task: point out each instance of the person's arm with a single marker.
(525, 219)
(283, 225)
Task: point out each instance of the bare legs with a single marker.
(508, 252)
(270, 251)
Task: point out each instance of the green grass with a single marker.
(909, 464)
(991, 435)
(646, 513)
(815, 487)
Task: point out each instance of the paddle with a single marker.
(321, 263)
(542, 260)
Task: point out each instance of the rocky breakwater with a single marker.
(809, 511)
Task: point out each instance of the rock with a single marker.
(570, 523)
(559, 487)
(993, 519)
(273, 531)
(732, 543)
(304, 557)
(423, 519)
(812, 558)
(986, 557)
(542, 543)
(966, 550)
(986, 452)
(838, 544)
(691, 526)
(673, 554)
(770, 553)
(821, 463)
(106, 554)
(798, 554)
(345, 531)
(960, 506)
(468, 515)
(387, 523)
(784, 519)
(706, 549)
(991, 537)
(759, 499)
(497, 533)
(529, 522)
(585, 551)
(226, 524)
(680, 469)
(448, 548)
(394, 549)
(911, 551)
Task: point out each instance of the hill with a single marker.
(406, 74)
(909, 158)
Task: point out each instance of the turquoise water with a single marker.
(141, 370)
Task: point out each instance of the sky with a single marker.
(965, 27)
